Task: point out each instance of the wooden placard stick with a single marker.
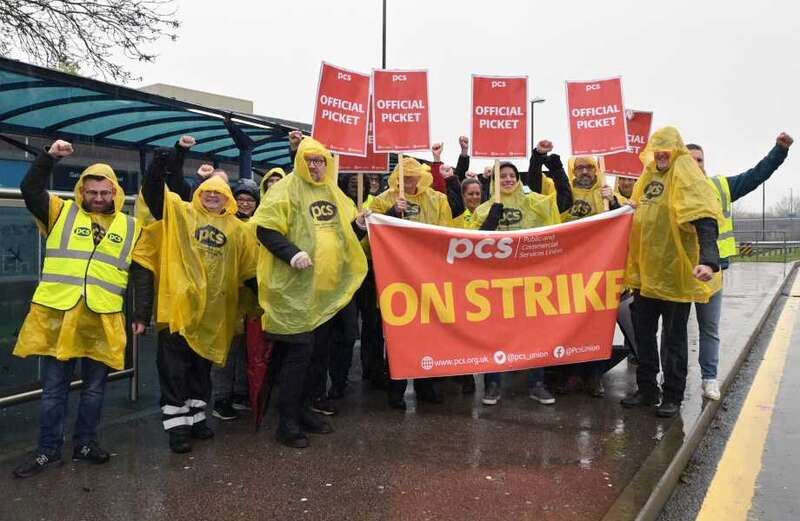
(401, 187)
(496, 180)
(360, 196)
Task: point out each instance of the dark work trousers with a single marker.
(373, 362)
(674, 315)
(344, 333)
(289, 367)
(185, 379)
(344, 322)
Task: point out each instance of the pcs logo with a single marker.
(580, 208)
(511, 216)
(83, 231)
(322, 211)
(210, 236)
(653, 190)
(412, 210)
(113, 237)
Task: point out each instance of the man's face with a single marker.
(625, 185)
(374, 184)
(585, 175)
(662, 158)
(213, 201)
(317, 166)
(271, 180)
(508, 179)
(410, 184)
(699, 159)
(246, 204)
(472, 196)
(98, 196)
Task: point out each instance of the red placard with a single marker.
(628, 163)
(597, 122)
(340, 111)
(400, 110)
(373, 162)
(499, 116)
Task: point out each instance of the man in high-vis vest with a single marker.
(728, 189)
(77, 309)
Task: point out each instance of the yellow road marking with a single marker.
(730, 495)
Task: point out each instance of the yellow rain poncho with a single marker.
(277, 171)
(663, 246)
(520, 210)
(317, 218)
(587, 201)
(463, 220)
(78, 332)
(201, 261)
(426, 206)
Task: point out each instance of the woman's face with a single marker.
(508, 179)
(472, 196)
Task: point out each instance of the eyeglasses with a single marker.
(588, 168)
(105, 194)
(245, 201)
(319, 161)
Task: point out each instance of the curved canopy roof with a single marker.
(43, 102)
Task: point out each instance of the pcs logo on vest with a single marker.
(322, 211)
(113, 237)
(511, 216)
(580, 208)
(653, 190)
(210, 236)
(83, 231)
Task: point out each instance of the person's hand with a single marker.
(471, 175)
(60, 148)
(463, 142)
(488, 172)
(205, 171)
(187, 142)
(137, 327)
(703, 272)
(632, 204)
(295, 137)
(607, 193)
(301, 261)
(361, 219)
(446, 171)
(784, 140)
(436, 149)
(400, 205)
(544, 146)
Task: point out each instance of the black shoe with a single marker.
(337, 392)
(640, 399)
(314, 424)
(224, 411)
(201, 431)
(37, 461)
(595, 387)
(90, 452)
(468, 385)
(240, 402)
(668, 409)
(293, 438)
(397, 402)
(323, 406)
(179, 440)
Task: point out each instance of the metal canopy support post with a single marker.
(245, 145)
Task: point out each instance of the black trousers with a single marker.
(342, 327)
(344, 334)
(289, 368)
(185, 380)
(373, 362)
(675, 316)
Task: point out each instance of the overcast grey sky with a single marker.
(725, 74)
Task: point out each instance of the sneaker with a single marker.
(90, 452)
(323, 406)
(668, 409)
(179, 440)
(640, 399)
(492, 394)
(224, 411)
(711, 389)
(37, 461)
(241, 403)
(201, 431)
(540, 393)
(595, 387)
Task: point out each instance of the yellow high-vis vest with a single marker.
(74, 267)
(726, 242)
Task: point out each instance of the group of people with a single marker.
(287, 264)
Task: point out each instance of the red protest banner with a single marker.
(340, 111)
(628, 163)
(373, 162)
(499, 116)
(597, 123)
(400, 110)
(497, 301)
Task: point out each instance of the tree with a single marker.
(89, 34)
(787, 206)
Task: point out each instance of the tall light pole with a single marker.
(383, 55)
(534, 101)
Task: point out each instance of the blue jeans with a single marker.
(56, 377)
(708, 316)
(535, 376)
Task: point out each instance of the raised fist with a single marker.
(60, 149)
(187, 142)
(446, 171)
(488, 172)
(463, 142)
(784, 140)
(544, 146)
(205, 171)
(437, 151)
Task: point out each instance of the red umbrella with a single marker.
(259, 355)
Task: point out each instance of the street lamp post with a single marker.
(534, 101)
